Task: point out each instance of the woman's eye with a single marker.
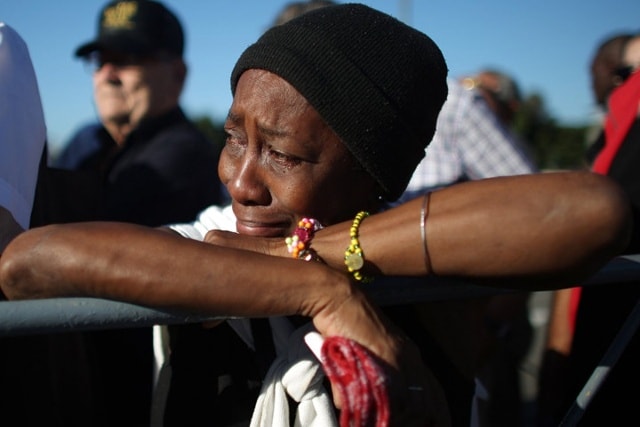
(282, 159)
(232, 142)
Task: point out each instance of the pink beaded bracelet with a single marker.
(299, 244)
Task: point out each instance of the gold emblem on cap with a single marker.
(119, 16)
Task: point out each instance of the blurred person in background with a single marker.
(149, 165)
(296, 8)
(471, 142)
(499, 90)
(155, 163)
(605, 77)
(585, 320)
(474, 140)
(505, 332)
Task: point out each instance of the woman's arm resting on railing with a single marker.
(151, 267)
(537, 231)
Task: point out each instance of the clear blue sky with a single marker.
(545, 44)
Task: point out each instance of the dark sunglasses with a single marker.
(623, 72)
(96, 60)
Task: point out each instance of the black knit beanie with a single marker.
(378, 83)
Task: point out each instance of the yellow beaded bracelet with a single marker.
(354, 256)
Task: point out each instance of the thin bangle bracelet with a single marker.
(424, 213)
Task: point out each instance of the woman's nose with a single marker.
(246, 181)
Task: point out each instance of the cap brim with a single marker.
(87, 48)
(116, 44)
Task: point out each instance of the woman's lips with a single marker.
(262, 229)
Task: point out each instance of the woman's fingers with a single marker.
(267, 246)
(415, 396)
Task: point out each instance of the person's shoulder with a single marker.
(178, 138)
(86, 132)
(181, 128)
(83, 143)
(192, 134)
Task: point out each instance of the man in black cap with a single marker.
(153, 165)
(156, 164)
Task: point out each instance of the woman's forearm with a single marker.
(542, 230)
(152, 267)
(161, 269)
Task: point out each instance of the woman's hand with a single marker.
(415, 396)
(274, 246)
(268, 246)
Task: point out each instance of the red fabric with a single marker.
(574, 300)
(623, 110)
(360, 382)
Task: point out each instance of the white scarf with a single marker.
(295, 372)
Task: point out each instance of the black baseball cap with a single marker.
(140, 27)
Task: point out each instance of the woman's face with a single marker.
(281, 161)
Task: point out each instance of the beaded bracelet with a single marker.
(354, 256)
(299, 243)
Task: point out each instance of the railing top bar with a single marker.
(67, 314)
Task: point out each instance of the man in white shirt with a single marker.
(470, 143)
